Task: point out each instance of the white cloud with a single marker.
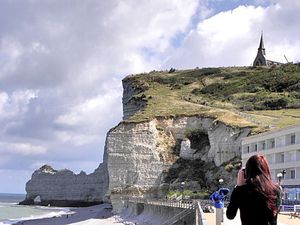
(160, 20)
(22, 149)
(16, 104)
(76, 138)
(224, 39)
(93, 111)
(10, 52)
(88, 117)
(38, 48)
(231, 38)
(262, 1)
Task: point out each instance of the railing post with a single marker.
(219, 216)
(200, 219)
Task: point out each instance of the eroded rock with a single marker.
(64, 188)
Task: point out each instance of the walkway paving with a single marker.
(283, 219)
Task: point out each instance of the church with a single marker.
(260, 59)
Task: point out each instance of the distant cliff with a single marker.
(178, 126)
(64, 188)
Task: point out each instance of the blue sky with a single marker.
(62, 62)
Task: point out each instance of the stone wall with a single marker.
(159, 214)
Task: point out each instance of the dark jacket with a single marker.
(252, 205)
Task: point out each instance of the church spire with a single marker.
(261, 45)
(260, 59)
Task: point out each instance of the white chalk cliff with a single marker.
(137, 158)
(140, 155)
(64, 188)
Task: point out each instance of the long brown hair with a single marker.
(258, 175)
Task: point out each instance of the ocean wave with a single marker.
(47, 215)
(9, 203)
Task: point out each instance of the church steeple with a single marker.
(260, 59)
(261, 45)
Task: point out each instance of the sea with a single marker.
(11, 212)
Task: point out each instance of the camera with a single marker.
(244, 172)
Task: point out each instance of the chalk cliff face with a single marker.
(64, 188)
(131, 103)
(137, 159)
(139, 155)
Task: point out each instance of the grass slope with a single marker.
(258, 97)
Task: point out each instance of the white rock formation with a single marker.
(138, 154)
(186, 152)
(64, 188)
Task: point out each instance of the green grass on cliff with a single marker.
(240, 96)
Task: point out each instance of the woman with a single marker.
(257, 197)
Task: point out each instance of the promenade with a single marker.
(283, 219)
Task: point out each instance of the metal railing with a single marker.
(289, 208)
(178, 217)
(189, 206)
(200, 218)
(185, 204)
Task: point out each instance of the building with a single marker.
(260, 59)
(282, 150)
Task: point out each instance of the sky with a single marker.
(62, 63)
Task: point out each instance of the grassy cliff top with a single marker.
(259, 97)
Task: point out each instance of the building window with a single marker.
(255, 147)
(293, 139)
(282, 158)
(293, 174)
(272, 143)
(263, 145)
(248, 149)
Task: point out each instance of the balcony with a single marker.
(286, 165)
(273, 150)
(290, 182)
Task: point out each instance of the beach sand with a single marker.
(94, 215)
(102, 215)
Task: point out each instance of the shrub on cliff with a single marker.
(276, 103)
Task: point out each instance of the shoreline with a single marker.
(102, 215)
(12, 212)
(93, 215)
